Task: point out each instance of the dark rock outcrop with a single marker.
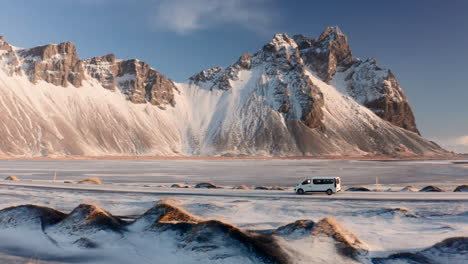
(178, 185)
(297, 228)
(207, 185)
(377, 89)
(206, 75)
(358, 189)
(134, 78)
(212, 235)
(450, 250)
(57, 64)
(90, 218)
(142, 83)
(221, 79)
(7, 54)
(60, 65)
(398, 211)
(461, 188)
(104, 69)
(278, 188)
(30, 215)
(431, 188)
(330, 51)
(303, 42)
(369, 84)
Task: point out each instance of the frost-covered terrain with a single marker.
(135, 217)
(444, 173)
(293, 97)
(375, 229)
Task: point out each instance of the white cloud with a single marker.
(456, 144)
(462, 140)
(184, 16)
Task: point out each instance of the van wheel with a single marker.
(329, 192)
(300, 191)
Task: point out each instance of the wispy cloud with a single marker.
(462, 140)
(456, 144)
(185, 16)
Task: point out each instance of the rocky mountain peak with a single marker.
(134, 78)
(205, 75)
(102, 68)
(3, 43)
(53, 63)
(281, 46)
(275, 103)
(221, 79)
(66, 49)
(368, 83)
(378, 89)
(109, 58)
(60, 65)
(281, 51)
(330, 51)
(303, 42)
(279, 41)
(330, 34)
(245, 61)
(141, 83)
(9, 62)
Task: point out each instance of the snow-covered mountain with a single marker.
(295, 96)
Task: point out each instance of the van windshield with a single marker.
(306, 182)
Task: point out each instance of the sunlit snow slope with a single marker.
(272, 103)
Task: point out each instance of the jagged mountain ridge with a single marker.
(296, 96)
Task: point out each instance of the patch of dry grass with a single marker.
(90, 181)
(241, 187)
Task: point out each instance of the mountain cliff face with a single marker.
(330, 58)
(134, 78)
(295, 96)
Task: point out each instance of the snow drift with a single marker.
(166, 231)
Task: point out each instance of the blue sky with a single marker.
(423, 42)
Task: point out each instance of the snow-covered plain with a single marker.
(443, 173)
(131, 187)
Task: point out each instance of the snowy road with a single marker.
(271, 194)
(443, 173)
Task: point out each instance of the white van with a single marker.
(329, 185)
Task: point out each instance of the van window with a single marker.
(306, 182)
(324, 181)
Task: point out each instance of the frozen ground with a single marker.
(426, 218)
(249, 172)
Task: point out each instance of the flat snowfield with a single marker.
(269, 172)
(387, 221)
